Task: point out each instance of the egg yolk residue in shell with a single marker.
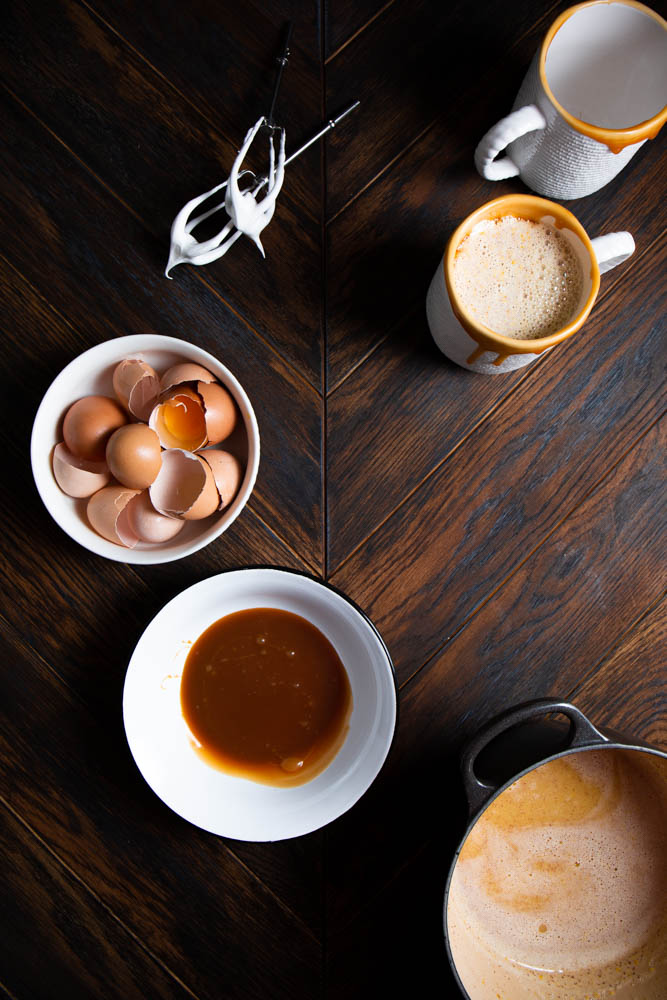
(184, 420)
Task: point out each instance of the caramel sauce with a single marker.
(266, 697)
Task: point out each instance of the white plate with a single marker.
(235, 807)
(91, 373)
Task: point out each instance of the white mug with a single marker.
(473, 346)
(595, 91)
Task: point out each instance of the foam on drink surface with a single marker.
(561, 886)
(517, 277)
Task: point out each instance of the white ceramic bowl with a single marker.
(236, 807)
(91, 373)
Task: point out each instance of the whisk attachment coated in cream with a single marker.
(246, 212)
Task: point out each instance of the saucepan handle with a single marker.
(582, 733)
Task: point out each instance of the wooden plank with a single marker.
(345, 19)
(416, 61)
(103, 281)
(59, 940)
(392, 423)
(383, 252)
(538, 635)
(224, 65)
(177, 889)
(156, 151)
(395, 946)
(628, 691)
(482, 512)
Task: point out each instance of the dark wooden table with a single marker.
(506, 534)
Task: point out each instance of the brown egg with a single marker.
(185, 487)
(75, 476)
(107, 513)
(227, 473)
(88, 425)
(219, 411)
(137, 386)
(134, 455)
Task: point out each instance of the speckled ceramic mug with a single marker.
(595, 92)
(476, 347)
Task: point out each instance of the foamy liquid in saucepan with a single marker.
(560, 890)
(517, 277)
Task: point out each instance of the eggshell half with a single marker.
(107, 513)
(134, 455)
(147, 523)
(158, 421)
(184, 487)
(227, 473)
(219, 411)
(185, 372)
(75, 476)
(137, 386)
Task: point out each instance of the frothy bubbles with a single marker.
(519, 278)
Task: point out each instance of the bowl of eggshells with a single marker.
(145, 449)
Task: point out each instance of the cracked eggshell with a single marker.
(137, 386)
(75, 476)
(227, 473)
(184, 487)
(148, 524)
(186, 372)
(219, 411)
(107, 513)
(158, 421)
(134, 455)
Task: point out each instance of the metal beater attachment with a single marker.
(247, 213)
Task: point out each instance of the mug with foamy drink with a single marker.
(518, 276)
(594, 93)
(559, 887)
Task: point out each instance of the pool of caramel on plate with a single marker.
(266, 697)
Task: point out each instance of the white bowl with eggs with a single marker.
(237, 807)
(91, 374)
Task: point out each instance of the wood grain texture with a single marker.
(175, 887)
(59, 940)
(538, 635)
(344, 20)
(224, 65)
(638, 707)
(412, 74)
(507, 534)
(482, 512)
(98, 268)
(158, 153)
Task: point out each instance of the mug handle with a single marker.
(582, 733)
(516, 124)
(613, 249)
